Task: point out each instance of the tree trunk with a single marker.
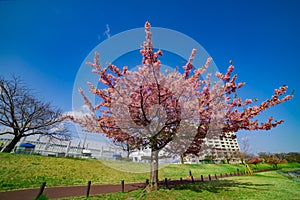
(127, 156)
(12, 144)
(154, 170)
(181, 159)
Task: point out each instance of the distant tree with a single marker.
(289, 157)
(127, 145)
(23, 114)
(275, 161)
(210, 158)
(264, 155)
(228, 156)
(162, 110)
(255, 161)
(280, 156)
(244, 149)
(293, 157)
(181, 158)
(248, 156)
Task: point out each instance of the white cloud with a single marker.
(107, 32)
(79, 113)
(58, 128)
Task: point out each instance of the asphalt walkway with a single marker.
(69, 191)
(72, 191)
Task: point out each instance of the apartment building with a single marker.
(225, 149)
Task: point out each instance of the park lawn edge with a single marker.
(29, 171)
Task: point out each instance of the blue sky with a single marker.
(45, 42)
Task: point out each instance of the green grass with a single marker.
(29, 171)
(264, 185)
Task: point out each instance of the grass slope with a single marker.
(262, 186)
(28, 171)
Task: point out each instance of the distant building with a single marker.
(74, 148)
(218, 150)
(144, 156)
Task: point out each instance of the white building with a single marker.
(218, 150)
(74, 148)
(144, 156)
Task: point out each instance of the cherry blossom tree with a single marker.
(170, 112)
(255, 161)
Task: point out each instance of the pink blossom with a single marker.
(139, 91)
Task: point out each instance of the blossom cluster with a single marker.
(151, 109)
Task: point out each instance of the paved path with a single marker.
(71, 191)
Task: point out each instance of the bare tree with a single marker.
(244, 150)
(23, 114)
(265, 155)
(293, 157)
(128, 145)
(227, 156)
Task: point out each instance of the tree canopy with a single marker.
(171, 112)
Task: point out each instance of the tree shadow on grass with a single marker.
(217, 186)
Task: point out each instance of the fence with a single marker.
(122, 187)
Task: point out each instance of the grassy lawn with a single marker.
(265, 185)
(29, 171)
